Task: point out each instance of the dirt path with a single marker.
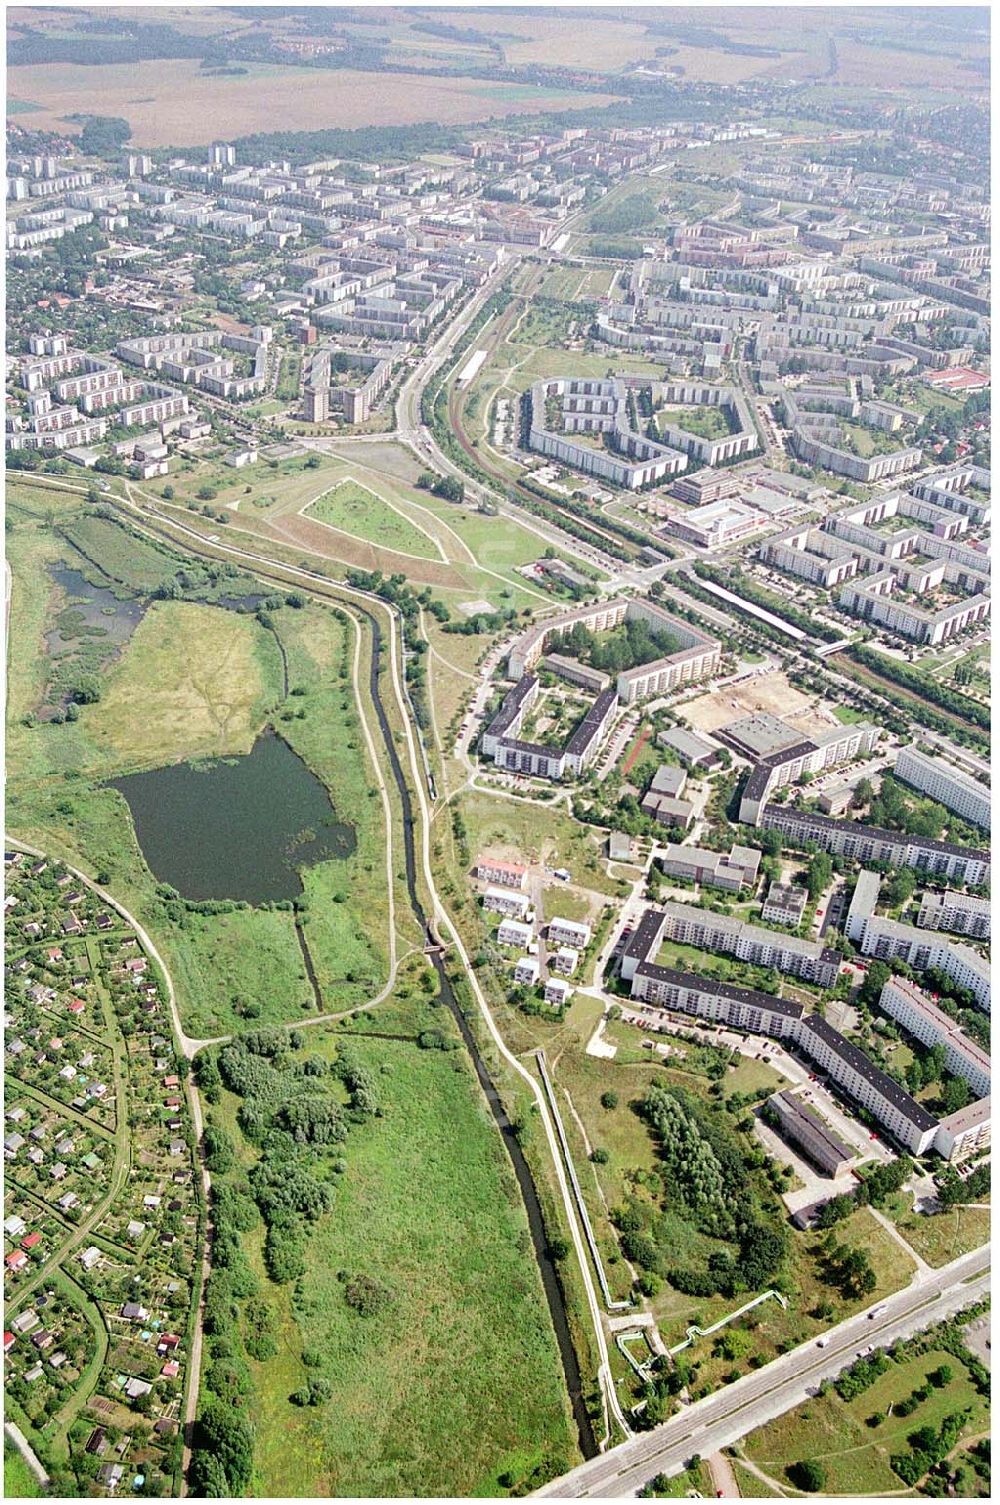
(723, 1477)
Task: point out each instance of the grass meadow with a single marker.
(457, 1381)
(197, 681)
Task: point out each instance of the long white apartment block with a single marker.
(849, 838)
(945, 783)
(922, 1019)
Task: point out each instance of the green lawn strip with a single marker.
(19, 1481)
(358, 510)
(750, 1485)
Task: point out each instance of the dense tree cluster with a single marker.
(632, 644)
(703, 1173)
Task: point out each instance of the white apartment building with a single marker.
(568, 933)
(526, 971)
(514, 933)
(885, 939)
(964, 1133)
(504, 901)
(557, 992)
(922, 1019)
(962, 914)
(948, 785)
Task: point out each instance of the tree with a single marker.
(228, 1435)
(103, 135)
(219, 1150)
(876, 977)
(609, 1100)
(808, 1474)
(87, 690)
(818, 875)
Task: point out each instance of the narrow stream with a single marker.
(546, 1266)
(308, 963)
(550, 1278)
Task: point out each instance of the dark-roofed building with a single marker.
(908, 1123)
(849, 838)
(722, 1002)
(803, 1127)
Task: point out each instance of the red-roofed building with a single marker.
(31, 1240)
(8, 1342)
(16, 1261)
(170, 1370)
(76, 1006)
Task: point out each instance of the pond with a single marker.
(91, 612)
(240, 828)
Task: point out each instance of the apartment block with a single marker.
(601, 407)
(780, 1019)
(790, 754)
(966, 1132)
(732, 871)
(697, 655)
(504, 874)
(943, 782)
(922, 1019)
(888, 939)
(749, 943)
(568, 933)
(785, 905)
(514, 933)
(505, 901)
(962, 914)
(850, 839)
(877, 599)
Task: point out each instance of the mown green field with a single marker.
(457, 1382)
(355, 509)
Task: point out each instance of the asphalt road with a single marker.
(722, 1418)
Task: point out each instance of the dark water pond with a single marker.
(91, 607)
(236, 829)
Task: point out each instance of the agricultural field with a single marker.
(173, 103)
(425, 1209)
